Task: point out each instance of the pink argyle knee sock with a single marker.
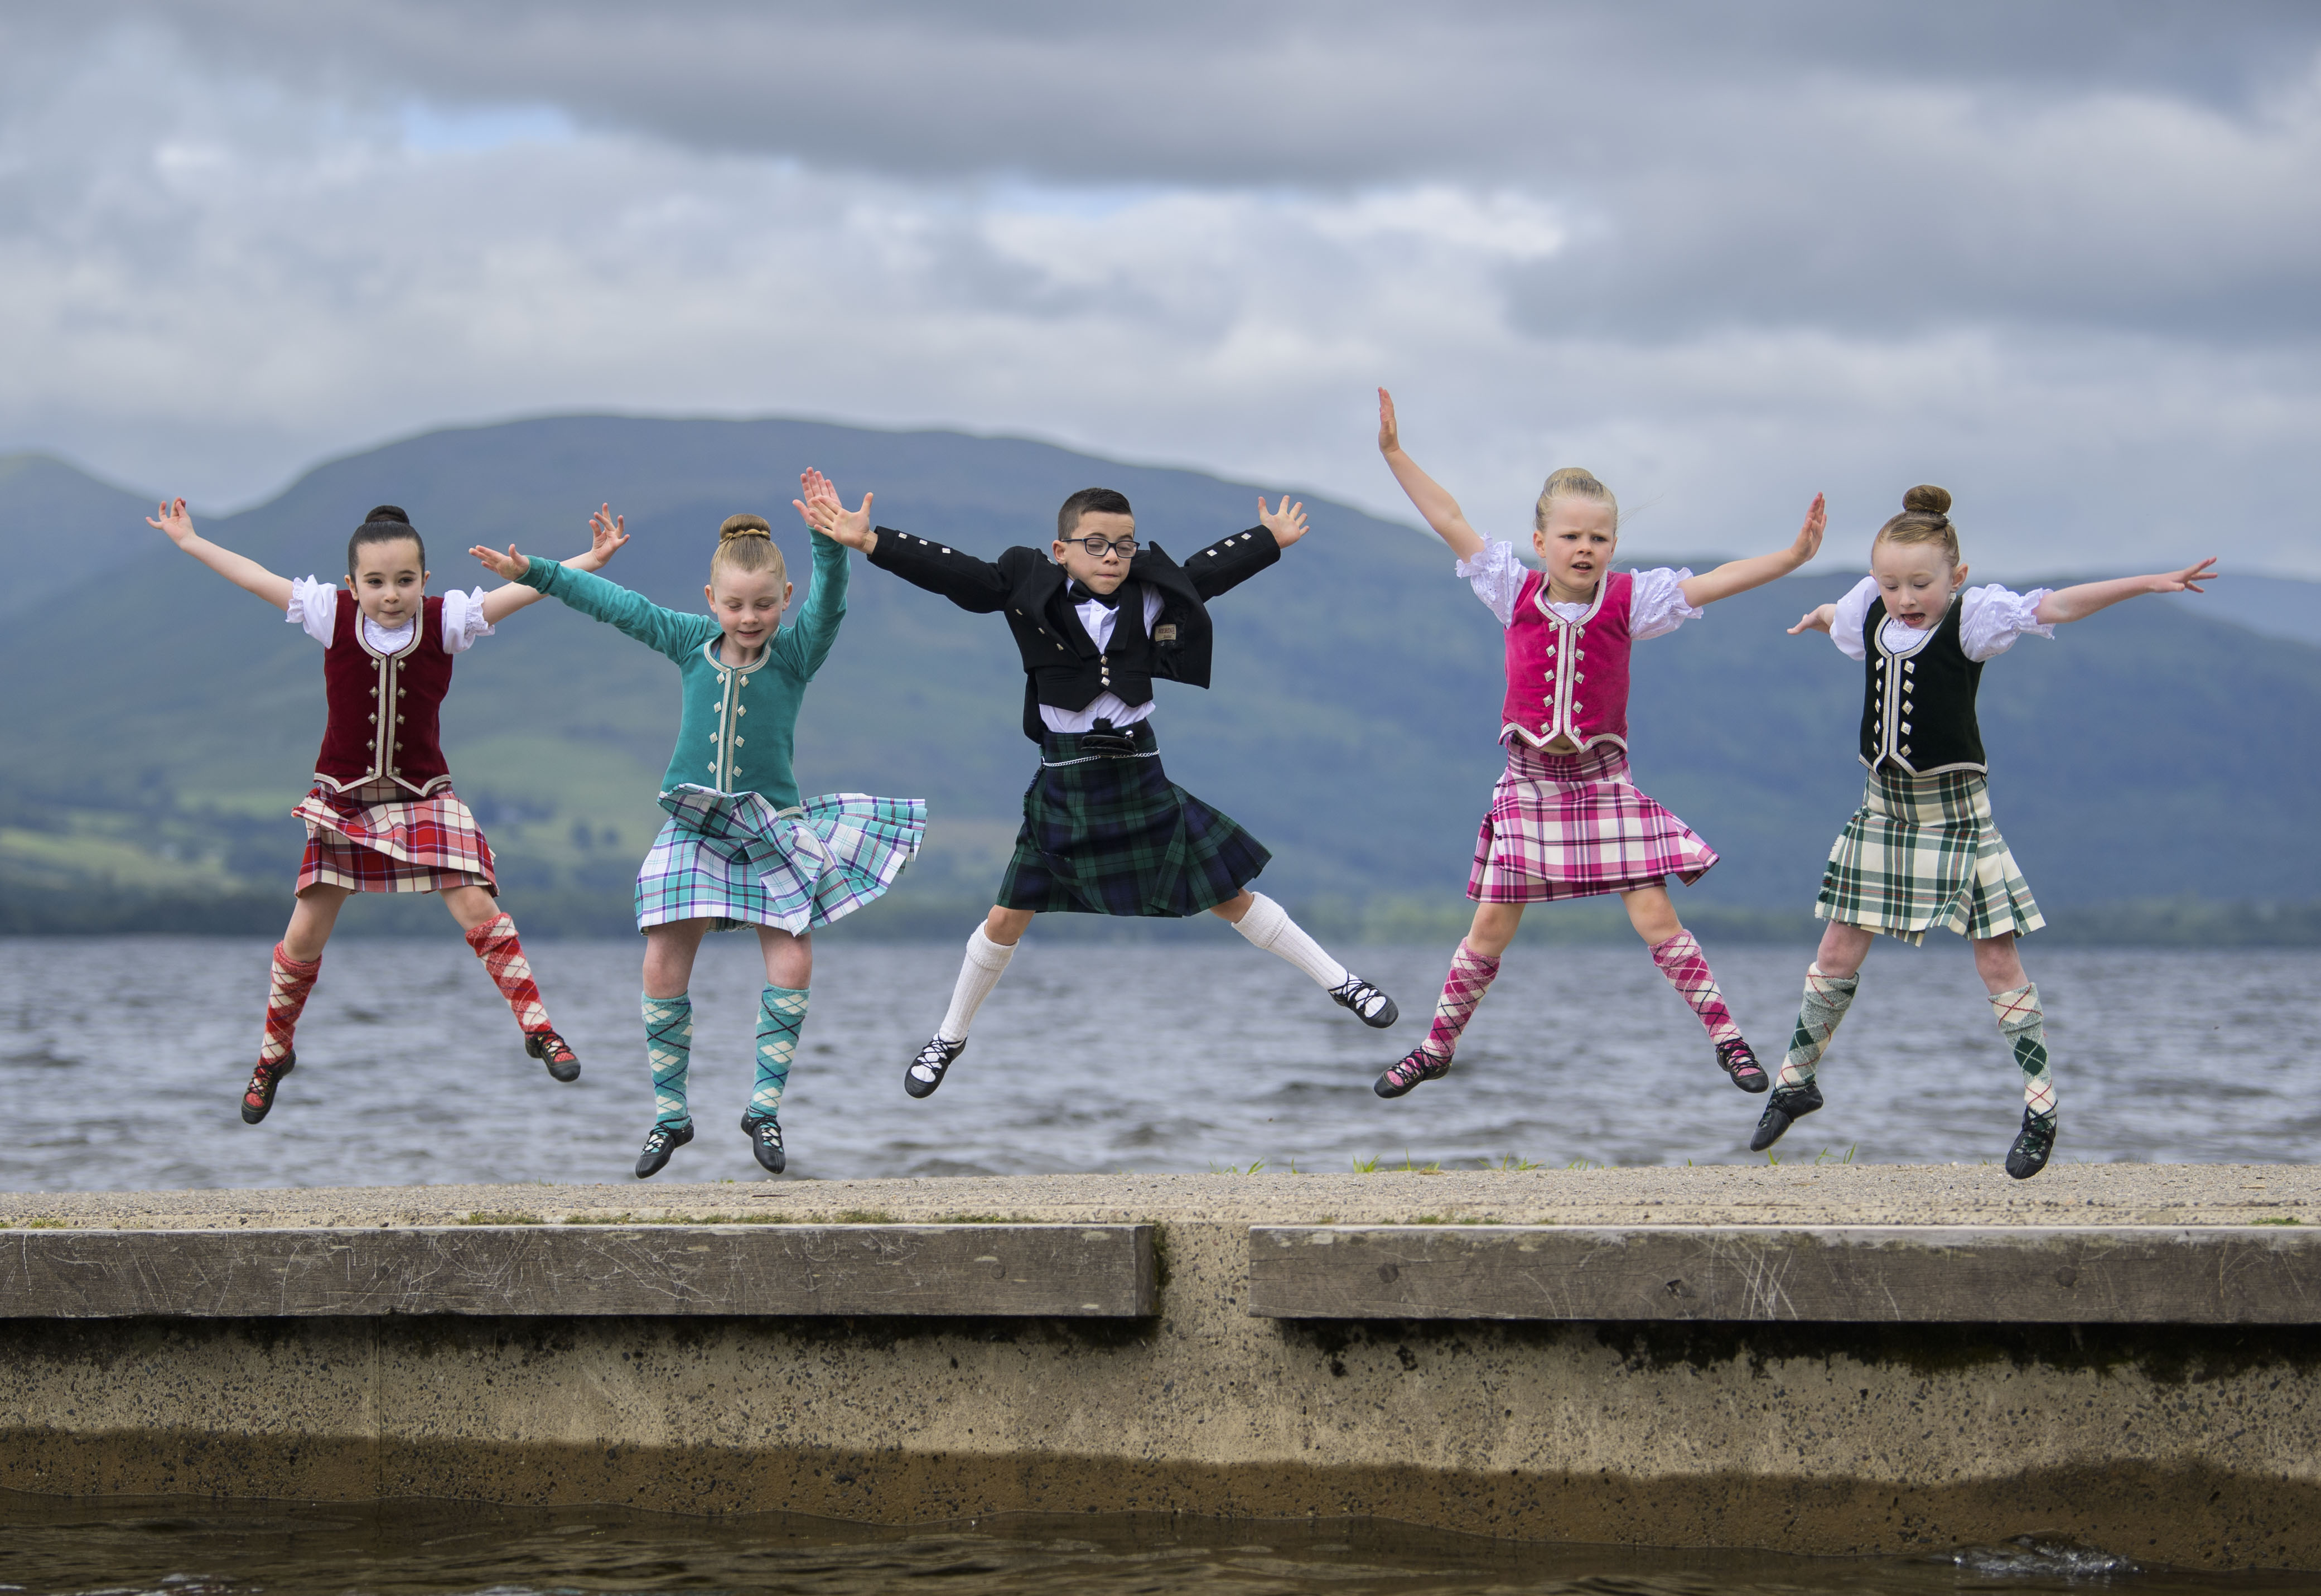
(1471, 974)
(1681, 961)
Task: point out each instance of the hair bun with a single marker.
(381, 513)
(744, 527)
(1927, 500)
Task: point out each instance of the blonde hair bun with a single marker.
(1927, 500)
(745, 542)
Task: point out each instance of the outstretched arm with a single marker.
(2077, 604)
(1820, 619)
(976, 585)
(1738, 575)
(1442, 512)
(240, 569)
(606, 533)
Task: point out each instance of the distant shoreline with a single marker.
(2154, 923)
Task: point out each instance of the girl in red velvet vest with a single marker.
(381, 815)
(1922, 852)
(1565, 820)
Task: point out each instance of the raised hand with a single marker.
(2187, 581)
(1808, 544)
(509, 566)
(827, 514)
(1286, 524)
(1816, 620)
(1389, 433)
(173, 520)
(607, 533)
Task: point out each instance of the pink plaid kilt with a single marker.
(1573, 826)
(378, 838)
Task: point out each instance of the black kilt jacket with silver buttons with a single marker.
(1062, 666)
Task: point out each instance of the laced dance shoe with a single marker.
(1735, 1060)
(926, 1070)
(2032, 1143)
(553, 1050)
(765, 1141)
(1373, 1007)
(1785, 1107)
(1417, 1066)
(258, 1096)
(661, 1142)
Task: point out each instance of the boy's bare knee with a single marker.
(1007, 926)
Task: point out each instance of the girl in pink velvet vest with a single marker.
(1565, 820)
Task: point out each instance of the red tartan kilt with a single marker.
(379, 838)
(1573, 826)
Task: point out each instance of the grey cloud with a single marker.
(1883, 168)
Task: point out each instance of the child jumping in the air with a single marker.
(739, 848)
(1565, 820)
(382, 816)
(1921, 851)
(1097, 619)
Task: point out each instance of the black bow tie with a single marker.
(1082, 593)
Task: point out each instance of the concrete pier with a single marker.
(1835, 1359)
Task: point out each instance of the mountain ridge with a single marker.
(1351, 727)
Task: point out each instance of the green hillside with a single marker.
(159, 723)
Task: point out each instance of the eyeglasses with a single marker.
(1097, 548)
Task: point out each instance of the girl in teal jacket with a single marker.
(739, 848)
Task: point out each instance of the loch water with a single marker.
(122, 1061)
(188, 1547)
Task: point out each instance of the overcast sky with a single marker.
(2059, 258)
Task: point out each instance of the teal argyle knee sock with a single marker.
(782, 1016)
(669, 1049)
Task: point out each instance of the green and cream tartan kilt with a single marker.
(1921, 855)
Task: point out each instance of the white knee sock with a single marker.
(1268, 925)
(986, 961)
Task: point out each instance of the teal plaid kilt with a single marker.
(733, 858)
(1921, 855)
(1106, 835)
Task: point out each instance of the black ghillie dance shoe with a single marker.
(1373, 1007)
(926, 1070)
(258, 1096)
(1735, 1060)
(1417, 1066)
(661, 1142)
(553, 1050)
(765, 1141)
(2032, 1143)
(1785, 1107)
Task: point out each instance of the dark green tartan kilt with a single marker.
(1113, 835)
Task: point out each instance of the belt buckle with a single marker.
(1108, 745)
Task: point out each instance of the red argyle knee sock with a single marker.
(496, 943)
(1681, 961)
(286, 1001)
(1471, 974)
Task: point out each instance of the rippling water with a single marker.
(122, 1060)
(198, 1548)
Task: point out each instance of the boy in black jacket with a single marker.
(1097, 619)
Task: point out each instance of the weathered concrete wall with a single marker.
(2195, 1444)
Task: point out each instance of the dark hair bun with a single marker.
(744, 527)
(386, 513)
(1927, 500)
